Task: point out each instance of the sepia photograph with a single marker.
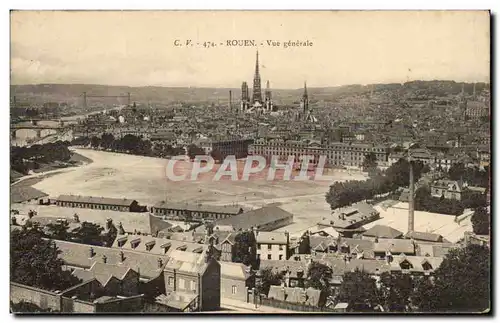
(250, 162)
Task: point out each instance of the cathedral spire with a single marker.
(257, 94)
(305, 101)
(257, 64)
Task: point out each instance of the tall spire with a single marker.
(257, 64)
(257, 94)
(305, 101)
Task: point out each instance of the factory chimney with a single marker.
(230, 100)
(411, 200)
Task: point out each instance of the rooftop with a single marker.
(383, 231)
(234, 270)
(187, 262)
(95, 200)
(227, 209)
(256, 218)
(350, 216)
(78, 255)
(272, 237)
(20, 193)
(153, 245)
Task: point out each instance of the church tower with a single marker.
(244, 97)
(268, 102)
(257, 94)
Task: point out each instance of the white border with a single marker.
(187, 4)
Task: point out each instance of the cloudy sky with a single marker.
(136, 48)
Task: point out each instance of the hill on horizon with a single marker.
(73, 93)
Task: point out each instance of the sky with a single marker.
(137, 48)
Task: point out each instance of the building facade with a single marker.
(337, 154)
(272, 245)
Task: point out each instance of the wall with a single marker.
(275, 251)
(130, 284)
(291, 306)
(42, 298)
(227, 252)
(211, 284)
(80, 306)
(131, 304)
(226, 286)
(154, 287)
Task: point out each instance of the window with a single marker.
(426, 266)
(268, 257)
(193, 285)
(268, 247)
(182, 284)
(281, 257)
(233, 289)
(281, 247)
(258, 246)
(170, 281)
(405, 264)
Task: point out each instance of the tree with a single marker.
(216, 155)
(319, 276)
(95, 142)
(107, 140)
(193, 151)
(58, 230)
(398, 174)
(34, 261)
(481, 221)
(462, 281)
(268, 278)
(359, 290)
(395, 291)
(456, 171)
(305, 244)
(370, 162)
(423, 297)
(245, 250)
(88, 233)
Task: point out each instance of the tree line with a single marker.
(397, 175)
(424, 201)
(24, 159)
(474, 176)
(130, 144)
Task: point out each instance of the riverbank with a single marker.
(45, 172)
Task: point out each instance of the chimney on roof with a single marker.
(122, 256)
(104, 259)
(160, 263)
(109, 223)
(255, 231)
(120, 228)
(91, 252)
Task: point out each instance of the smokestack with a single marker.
(411, 213)
(230, 100)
